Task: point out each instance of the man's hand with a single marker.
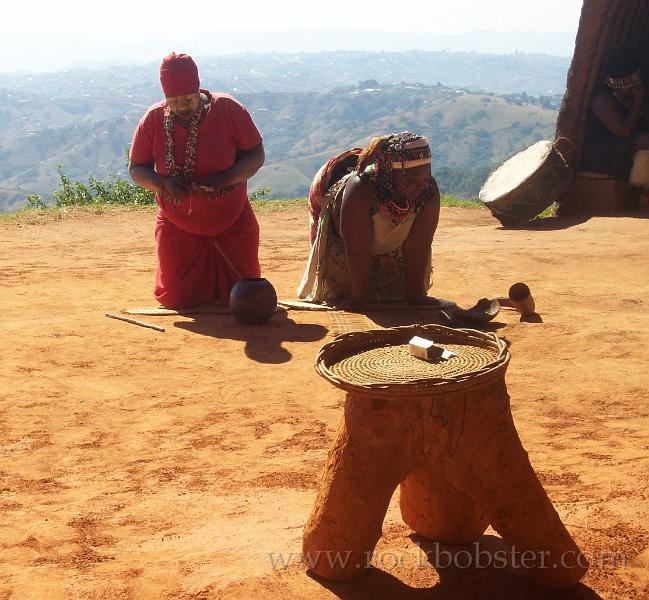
(214, 186)
(247, 163)
(174, 190)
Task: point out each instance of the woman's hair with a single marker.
(371, 152)
(384, 147)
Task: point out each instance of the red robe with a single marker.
(191, 270)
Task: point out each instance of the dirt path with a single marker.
(137, 464)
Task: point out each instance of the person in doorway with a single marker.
(617, 122)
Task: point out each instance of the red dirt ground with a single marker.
(138, 464)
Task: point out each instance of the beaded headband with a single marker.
(407, 164)
(399, 151)
(410, 154)
(624, 83)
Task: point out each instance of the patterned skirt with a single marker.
(326, 277)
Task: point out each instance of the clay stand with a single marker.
(450, 441)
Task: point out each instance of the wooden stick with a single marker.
(134, 321)
(227, 260)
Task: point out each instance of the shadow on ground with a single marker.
(263, 342)
(558, 222)
(456, 580)
(548, 223)
(414, 317)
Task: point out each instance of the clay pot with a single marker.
(253, 300)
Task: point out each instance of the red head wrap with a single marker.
(179, 75)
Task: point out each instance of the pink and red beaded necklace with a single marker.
(187, 170)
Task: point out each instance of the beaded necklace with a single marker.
(381, 174)
(187, 170)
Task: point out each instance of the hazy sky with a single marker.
(39, 34)
(118, 16)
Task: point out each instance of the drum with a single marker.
(526, 184)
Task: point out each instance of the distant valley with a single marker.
(476, 109)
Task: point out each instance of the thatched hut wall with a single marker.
(605, 27)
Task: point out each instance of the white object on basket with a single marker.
(428, 350)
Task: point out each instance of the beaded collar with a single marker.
(187, 170)
(624, 83)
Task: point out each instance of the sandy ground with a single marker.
(138, 464)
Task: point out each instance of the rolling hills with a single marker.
(83, 121)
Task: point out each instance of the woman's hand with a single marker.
(349, 305)
(642, 141)
(638, 94)
(621, 123)
(174, 190)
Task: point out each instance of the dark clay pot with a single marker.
(253, 300)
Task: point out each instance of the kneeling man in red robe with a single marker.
(196, 150)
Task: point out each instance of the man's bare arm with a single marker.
(172, 189)
(146, 177)
(247, 164)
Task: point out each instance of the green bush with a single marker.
(112, 190)
(260, 194)
(34, 202)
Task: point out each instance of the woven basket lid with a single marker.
(379, 360)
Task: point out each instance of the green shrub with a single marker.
(112, 190)
(260, 194)
(34, 202)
